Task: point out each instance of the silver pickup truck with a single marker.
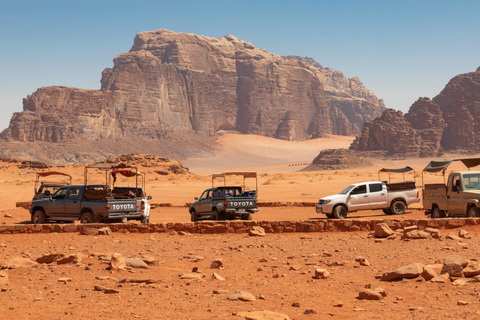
(224, 202)
(87, 203)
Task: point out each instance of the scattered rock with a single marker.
(88, 231)
(151, 261)
(14, 263)
(257, 231)
(49, 258)
(190, 276)
(382, 230)
(110, 290)
(428, 273)
(441, 278)
(321, 273)
(8, 215)
(65, 280)
(98, 288)
(416, 234)
(453, 265)
(462, 303)
(262, 315)
(464, 234)
(136, 263)
(410, 271)
(117, 262)
(296, 304)
(435, 233)
(452, 236)
(472, 269)
(105, 231)
(242, 296)
(216, 264)
(216, 276)
(309, 311)
(4, 278)
(368, 294)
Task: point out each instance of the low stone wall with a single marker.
(241, 226)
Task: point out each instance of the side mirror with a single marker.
(196, 198)
(149, 198)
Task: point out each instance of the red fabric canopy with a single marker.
(50, 173)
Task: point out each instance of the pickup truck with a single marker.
(87, 203)
(138, 192)
(220, 203)
(459, 197)
(393, 198)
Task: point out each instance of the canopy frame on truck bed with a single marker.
(114, 168)
(245, 175)
(399, 170)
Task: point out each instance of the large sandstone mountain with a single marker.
(173, 92)
(449, 122)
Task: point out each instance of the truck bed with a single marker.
(401, 185)
(435, 190)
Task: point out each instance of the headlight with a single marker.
(321, 201)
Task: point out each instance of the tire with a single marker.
(330, 215)
(217, 216)
(247, 216)
(340, 212)
(87, 217)
(39, 217)
(398, 207)
(193, 216)
(388, 212)
(145, 219)
(472, 212)
(437, 213)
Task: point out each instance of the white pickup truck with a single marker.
(393, 198)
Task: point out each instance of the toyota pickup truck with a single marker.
(458, 196)
(87, 203)
(225, 202)
(392, 198)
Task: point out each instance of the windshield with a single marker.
(347, 189)
(471, 181)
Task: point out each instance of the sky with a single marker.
(401, 50)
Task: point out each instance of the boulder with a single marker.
(262, 315)
(408, 272)
(242, 296)
(369, 294)
(453, 265)
(382, 230)
(18, 262)
(136, 263)
(257, 231)
(117, 262)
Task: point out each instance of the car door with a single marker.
(377, 195)
(56, 206)
(454, 195)
(72, 202)
(358, 198)
(201, 204)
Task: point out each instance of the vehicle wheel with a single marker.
(87, 217)
(217, 216)
(329, 215)
(472, 212)
(247, 216)
(398, 207)
(388, 212)
(39, 217)
(145, 219)
(437, 213)
(193, 216)
(340, 212)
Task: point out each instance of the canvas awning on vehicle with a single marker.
(442, 165)
(51, 173)
(400, 170)
(244, 174)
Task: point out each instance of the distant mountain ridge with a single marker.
(172, 93)
(448, 122)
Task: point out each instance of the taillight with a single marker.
(225, 204)
(143, 205)
(418, 194)
(107, 206)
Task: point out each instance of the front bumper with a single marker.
(323, 208)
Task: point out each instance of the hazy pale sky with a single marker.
(401, 50)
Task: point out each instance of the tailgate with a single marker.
(242, 203)
(118, 206)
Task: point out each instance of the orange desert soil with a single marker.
(278, 269)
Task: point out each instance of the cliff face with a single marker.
(448, 122)
(177, 83)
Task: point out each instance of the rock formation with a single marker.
(448, 122)
(336, 159)
(184, 87)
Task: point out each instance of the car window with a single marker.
(60, 194)
(375, 187)
(204, 195)
(73, 193)
(456, 183)
(360, 189)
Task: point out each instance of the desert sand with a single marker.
(278, 269)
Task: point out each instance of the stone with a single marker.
(382, 230)
(435, 233)
(88, 231)
(262, 315)
(49, 258)
(368, 294)
(98, 288)
(18, 262)
(65, 280)
(216, 264)
(429, 273)
(472, 269)
(110, 291)
(322, 273)
(105, 231)
(150, 260)
(242, 296)
(216, 276)
(190, 276)
(441, 278)
(464, 234)
(136, 263)
(462, 303)
(452, 236)
(382, 291)
(117, 262)
(407, 272)
(8, 215)
(416, 234)
(257, 231)
(453, 265)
